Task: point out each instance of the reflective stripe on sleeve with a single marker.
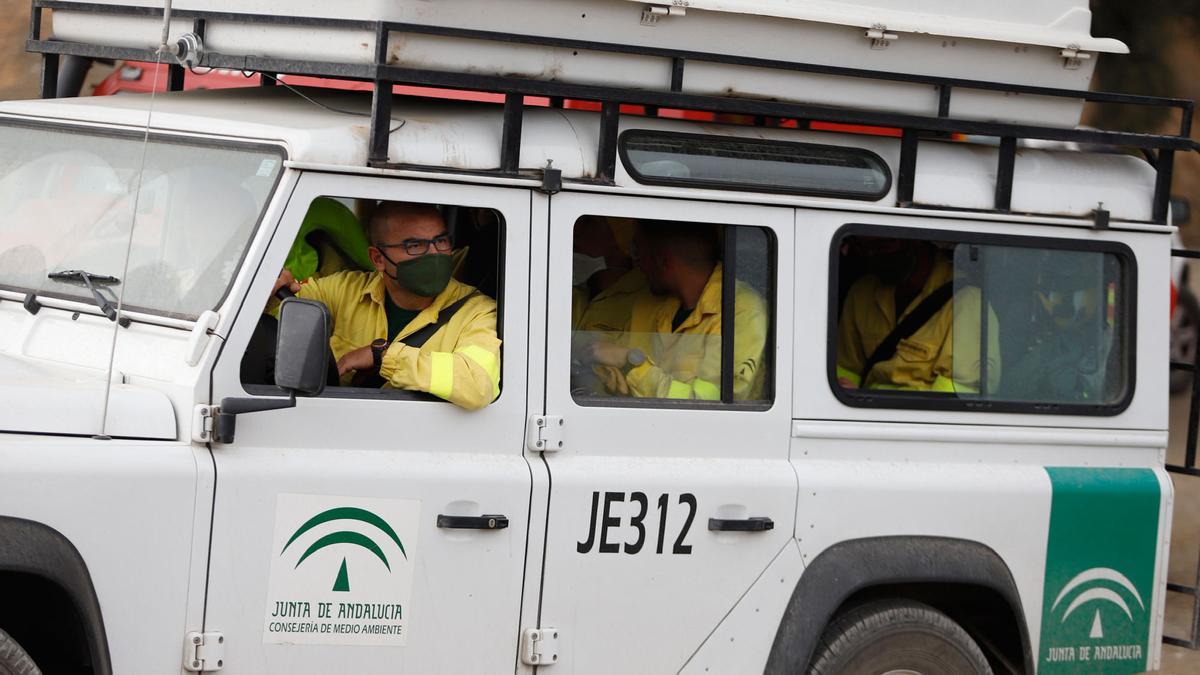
(679, 390)
(849, 375)
(487, 361)
(441, 374)
(944, 384)
(705, 390)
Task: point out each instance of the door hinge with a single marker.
(545, 433)
(1073, 58)
(204, 652)
(539, 646)
(203, 421)
(879, 37)
(652, 13)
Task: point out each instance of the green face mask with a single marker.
(426, 275)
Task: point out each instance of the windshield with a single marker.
(67, 199)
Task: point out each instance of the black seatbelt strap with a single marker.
(416, 340)
(920, 315)
(420, 336)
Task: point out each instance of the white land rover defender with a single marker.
(832, 488)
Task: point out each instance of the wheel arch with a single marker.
(38, 550)
(853, 568)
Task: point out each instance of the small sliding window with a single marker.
(727, 163)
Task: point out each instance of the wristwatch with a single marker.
(378, 347)
(633, 359)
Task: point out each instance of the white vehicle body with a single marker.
(608, 550)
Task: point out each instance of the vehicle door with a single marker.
(660, 507)
(346, 530)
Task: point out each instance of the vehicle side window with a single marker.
(727, 163)
(413, 293)
(651, 303)
(981, 323)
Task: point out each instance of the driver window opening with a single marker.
(411, 289)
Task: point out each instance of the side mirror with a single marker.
(302, 349)
(301, 358)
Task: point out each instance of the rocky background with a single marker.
(19, 72)
(1164, 60)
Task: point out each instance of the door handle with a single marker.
(759, 524)
(484, 522)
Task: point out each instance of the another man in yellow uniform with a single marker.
(374, 313)
(673, 346)
(603, 299)
(942, 353)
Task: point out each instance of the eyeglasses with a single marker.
(415, 247)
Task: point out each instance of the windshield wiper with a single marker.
(89, 280)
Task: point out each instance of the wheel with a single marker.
(897, 637)
(13, 659)
(1185, 334)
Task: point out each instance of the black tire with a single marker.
(887, 636)
(13, 659)
(1185, 337)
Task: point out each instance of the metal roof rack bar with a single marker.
(664, 99)
(606, 153)
(381, 106)
(363, 71)
(1188, 467)
(49, 86)
(383, 76)
(907, 175)
(510, 140)
(679, 57)
(1164, 169)
(1006, 162)
(682, 55)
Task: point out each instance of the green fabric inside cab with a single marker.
(332, 222)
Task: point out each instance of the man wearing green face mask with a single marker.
(408, 321)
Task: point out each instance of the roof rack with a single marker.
(1159, 150)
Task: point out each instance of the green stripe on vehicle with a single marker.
(1100, 563)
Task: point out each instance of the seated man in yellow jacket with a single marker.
(374, 312)
(942, 353)
(609, 285)
(672, 348)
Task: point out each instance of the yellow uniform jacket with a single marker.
(685, 363)
(942, 355)
(459, 363)
(610, 310)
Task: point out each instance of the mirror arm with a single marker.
(226, 423)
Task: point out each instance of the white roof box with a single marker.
(1041, 43)
(1049, 23)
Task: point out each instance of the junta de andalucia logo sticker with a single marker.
(1100, 562)
(341, 570)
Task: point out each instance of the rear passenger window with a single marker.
(969, 322)
(671, 313)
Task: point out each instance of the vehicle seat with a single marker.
(330, 240)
